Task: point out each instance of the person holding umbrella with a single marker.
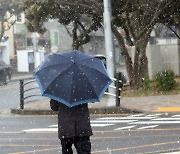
(73, 127)
(71, 80)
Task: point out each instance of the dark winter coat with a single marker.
(73, 121)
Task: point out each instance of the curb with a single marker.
(109, 110)
(32, 112)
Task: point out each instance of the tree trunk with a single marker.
(137, 68)
(140, 61)
(124, 52)
(75, 44)
(81, 39)
(140, 67)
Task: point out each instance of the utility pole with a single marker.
(35, 37)
(178, 43)
(109, 44)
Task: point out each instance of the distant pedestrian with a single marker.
(73, 127)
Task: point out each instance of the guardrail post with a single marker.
(21, 94)
(119, 85)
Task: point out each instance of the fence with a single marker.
(29, 89)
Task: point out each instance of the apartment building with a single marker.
(19, 38)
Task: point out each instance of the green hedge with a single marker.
(165, 80)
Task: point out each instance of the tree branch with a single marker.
(178, 36)
(9, 25)
(130, 26)
(70, 34)
(159, 10)
(120, 40)
(90, 5)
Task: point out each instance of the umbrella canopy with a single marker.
(72, 78)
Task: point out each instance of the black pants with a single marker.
(82, 145)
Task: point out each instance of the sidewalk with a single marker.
(148, 104)
(145, 104)
(18, 76)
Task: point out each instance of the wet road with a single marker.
(121, 134)
(9, 95)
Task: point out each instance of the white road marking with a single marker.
(112, 121)
(155, 122)
(132, 121)
(101, 125)
(177, 115)
(41, 130)
(126, 118)
(128, 127)
(146, 127)
(92, 125)
(53, 126)
(157, 114)
(136, 115)
(166, 119)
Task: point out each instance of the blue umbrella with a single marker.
(72, 78)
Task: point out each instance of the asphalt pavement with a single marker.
(144, 104)
(140, 104)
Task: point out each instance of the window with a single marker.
(19, 17)
(29, 42)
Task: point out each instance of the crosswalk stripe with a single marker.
(157, 114)
(146, 127)
(156, 122)
(128, 127)
(126, 118)
(101, 125)
(53, 126)
(41, 130)
(177, 115)
(166, 119)
(131, 121)
(112, 121)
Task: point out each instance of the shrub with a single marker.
(146, 82)
(165, 80)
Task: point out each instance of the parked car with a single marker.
(5, 73)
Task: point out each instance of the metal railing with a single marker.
(29, 89)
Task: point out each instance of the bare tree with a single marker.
(83, 19)
(137, 18)
(8, 8)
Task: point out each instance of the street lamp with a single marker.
(109, 44)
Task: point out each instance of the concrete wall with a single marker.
(162, 57)
(4, 52)
(10, 34)
(27, 60)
